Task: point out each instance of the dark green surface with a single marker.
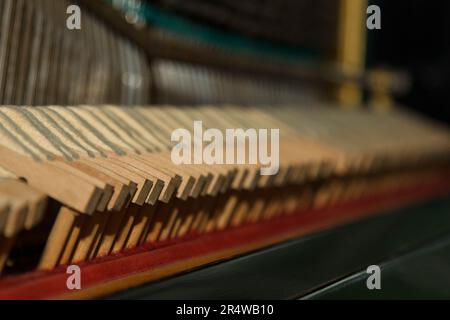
(296, 268)
(421, 274)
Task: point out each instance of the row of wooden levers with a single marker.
(109, 170)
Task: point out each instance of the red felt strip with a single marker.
(131, 263)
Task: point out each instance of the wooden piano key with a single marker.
(56, 182)
(208, 209)
(155, 193)
(241, 177)
(36, 201)
(108, 132)
(182, 119)
(142, 184)
(223, 219)
(158, 222)
(169, 224)
(242, 209)
(120, 190)
(116, 130)
(189, 217)
(83, 130)
(72, 239)
(257, 207)
(33, 133)
(110, 232)
(57, 239)
(6, 244)
(126, 227)
(117, 160)
(151, 134)
(150, 222)
(66, 131)
(4, 212)
(102, 222)
(139, 225)
(191, 179)
(215, 121)
(90, 232)
(107, 189)
(188, 172)
(143, 180)
(182, 218)
(170, 181)
(19, 207)
(131, 186)
(199, 216)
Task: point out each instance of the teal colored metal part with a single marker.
(208, 35)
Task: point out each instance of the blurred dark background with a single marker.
(415, 36)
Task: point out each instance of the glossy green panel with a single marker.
(296, 268)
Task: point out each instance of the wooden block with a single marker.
(55, 182)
